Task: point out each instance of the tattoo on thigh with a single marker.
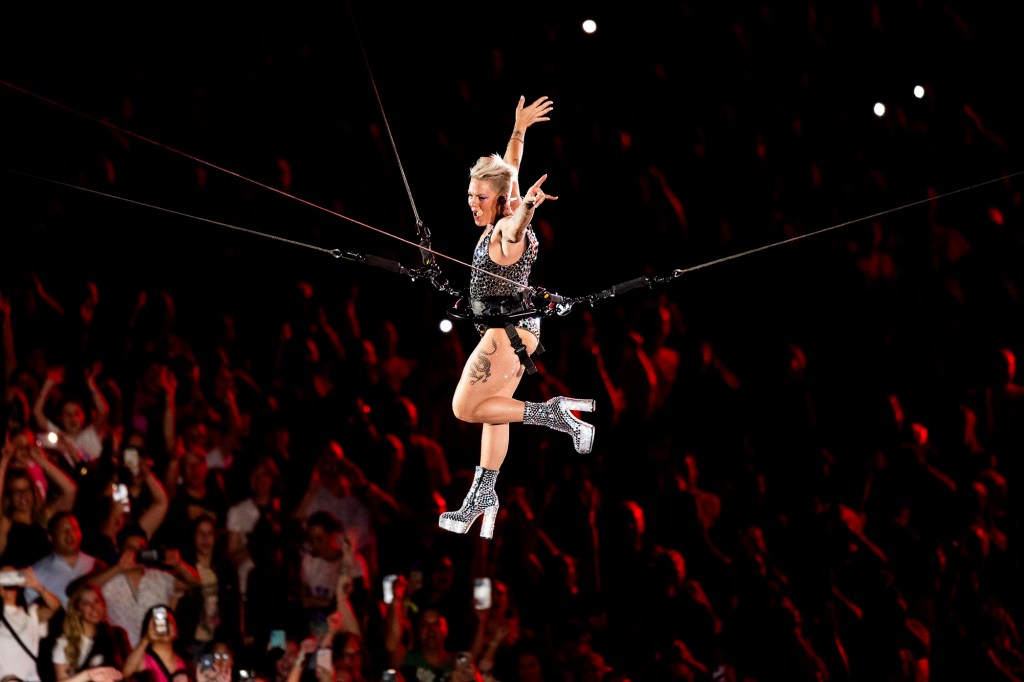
(480, 369)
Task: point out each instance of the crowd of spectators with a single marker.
(731, 520)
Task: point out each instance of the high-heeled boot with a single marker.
(481, 499)
(555, 414)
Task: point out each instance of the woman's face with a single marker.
(206, 537)
(94, 610)
(483, 202)
(21, 492)
(261, 481)
(72, 417)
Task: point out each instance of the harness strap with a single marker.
(520, 348)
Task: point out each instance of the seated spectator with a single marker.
(89, 639)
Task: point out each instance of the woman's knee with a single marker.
(463, 411)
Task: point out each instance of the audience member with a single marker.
(67, 562)
(22, 625)
(156, 649)
(88, 639)
(24, 510)
(142, 579)
(78, 436)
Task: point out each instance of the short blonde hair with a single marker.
(494, 171)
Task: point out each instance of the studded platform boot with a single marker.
(481, 499)
(556, 414)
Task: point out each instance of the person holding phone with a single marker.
(156, 651)
(24, 511)
(22, 625)
(132, 588)
(215, 663)
(316, 655)
(78, 434)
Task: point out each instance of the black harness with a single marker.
(503, 312)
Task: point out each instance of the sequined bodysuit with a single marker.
(482, 284)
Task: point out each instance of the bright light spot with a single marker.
(446, 326)
(919, 91)
(52, 438)
(589, 26)
(879, 109)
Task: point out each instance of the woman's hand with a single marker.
(103, 674)
(535, 195)
(172, 558)
(31, 581)
(528, 114)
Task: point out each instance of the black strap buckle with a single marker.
(520, 348)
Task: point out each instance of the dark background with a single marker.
(756, 118)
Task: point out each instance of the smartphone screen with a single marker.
(324, 659)
(205, 662)
(277, 640)
(131, 460)
(12, 579)
(481, 593)
(160, 621)
(389, 594)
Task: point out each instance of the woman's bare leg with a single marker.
(484, 393)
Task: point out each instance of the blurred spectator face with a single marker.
(67, 537)
(431, 630)
(20, 493)
(196, 436)
(135, 543)
(195, 468)
(634, 514)
(324, 544)
(22, 441)
(205, 537)
(283, 665)
(92, 606)
(443, 575)
(262, 478)
(281, 438)
(72, 417)
(499, 596)
(528, 668)
(590, 667)
(223, 659)
(348, 660)
(330, 471)
(1007, 365)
